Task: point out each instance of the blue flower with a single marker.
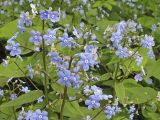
(40, 115)
(77, 33)
(50, 35)
(29, 67)
(87, 90)
(111, 111)
(149, 81)
(25, 89)
(28, 22)
(116, 37)
(132, 109)
(66, 40)
(150, 54)
(1, 92)
(65, 78)
(36, 37)
(147, 41)
(139, 60)
(93, 102)
(76, 81)
(153, 27)
(13, 96)
(29, 115)
(54, 16)
(138, 77)
(122, 52)
(40, 99)
(44, 14)
(121, 27)
(55, 58)
(23, 16)
(20, 26)
(14, 49)
(85, 61)
(13, 37)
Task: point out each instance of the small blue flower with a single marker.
(65, 78)
(93, 36)
(147, 41)
(139, 60)
(44, 14)
(20, 26)
(55, 58)
(13, 96)
(50, 35)
(40, 99)
(28, 22)
(36, 37)
(23, 16)
(87, 90)
(116, 37)
(14, 49)
(122, 52)
(29, 115)
(54, 16)
(66, 40)
(29, 67)
(121, 27)
(13, 37)
(85, 61)
(76, 81)
(138, 77)
(132, 109)
(149, 81)
(151, 54)
(77, 33)
(1, 92)
(110, 111)
(25, 89)
(40, 115)
(93, 102)
(153, 27)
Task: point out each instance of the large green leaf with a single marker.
(23, 99)
(129, 91)
(9, 29)
(153, 68)
(146, 21)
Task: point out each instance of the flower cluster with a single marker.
(53, 16)
(24, 18)
(95, 96)
(30, 115)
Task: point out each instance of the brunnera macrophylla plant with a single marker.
(63, 65)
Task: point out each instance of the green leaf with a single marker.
(23, 99)
(120, 91)
(150, 69)
(9, 29)
(129, 91)
(146, 21)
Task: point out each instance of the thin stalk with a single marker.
(65, 93)
(15, 117)
(44, 63)
(25, 75)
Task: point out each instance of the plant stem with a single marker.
(14, 113)
(25, 75)
(44, 64)
(63, 102)
(65, 93)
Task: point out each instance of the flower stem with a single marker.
(44, 63)
(65, 93)
(63, 102)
